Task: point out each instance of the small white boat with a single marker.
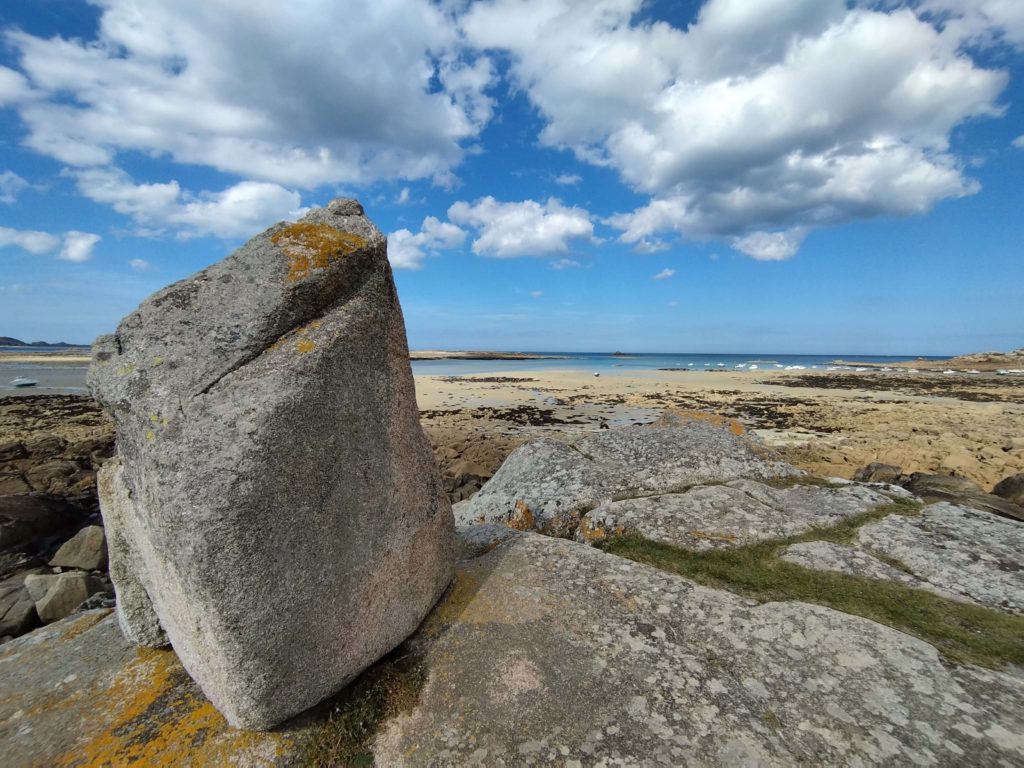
(21, 381)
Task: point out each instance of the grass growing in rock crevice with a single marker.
(961, 632)
(389, 688)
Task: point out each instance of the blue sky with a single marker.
(804, 176)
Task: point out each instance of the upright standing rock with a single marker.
(276, 505)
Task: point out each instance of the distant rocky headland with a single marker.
(8, 341)
(985, 362)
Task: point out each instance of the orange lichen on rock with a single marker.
(311, 246)
(157, 717)
(591, 532)
(305, 345)
(522, 518)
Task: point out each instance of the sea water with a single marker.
(611, 364)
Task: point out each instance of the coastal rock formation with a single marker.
(737, 513)
(955, 552)
(547, 485)
(961, 491)
(1011, 489)
(548, 652)
(276, 505)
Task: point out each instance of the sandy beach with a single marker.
(830, 423)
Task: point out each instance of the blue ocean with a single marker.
(610, 364)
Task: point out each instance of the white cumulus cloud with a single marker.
(295, 94)
(527, 228)
(71, 246)
(771, 246)
(665, 274)
(238, 211)
(139, 265)
(760, 117)
(78, 246)
(568, 179)
(407, 250)
(1019, 142)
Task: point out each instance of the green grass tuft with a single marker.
(962, 633)
(389, 688)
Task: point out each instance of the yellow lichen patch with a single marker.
(712, 536)
(473, 600)
(305, 345)
(522, 518)
(83, 624)
(151, 435)
(155, 716)
(311, 246)
(592, 532)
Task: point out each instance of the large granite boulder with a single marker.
(276, 506)
(548, 485)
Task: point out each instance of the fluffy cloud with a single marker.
(568, 179)
(771, 246)
(71, 246)
(527, 228)
(291, 94)
(11, 185)
(1019, 142)
(980, 21)
(407, 250)
(758, 120)
(139, 265)
(564, 263)
(665, 274)
(238, 211)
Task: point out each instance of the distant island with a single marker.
(8, 341)
(434, 354)
(979, 361)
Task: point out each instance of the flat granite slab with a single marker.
(549, 652)
(76, 693)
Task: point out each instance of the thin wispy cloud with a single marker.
(665, 274)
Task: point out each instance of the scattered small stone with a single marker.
(86, 550)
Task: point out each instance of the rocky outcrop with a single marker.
(276, 503)
(959, 490)
(547, 652)
(548, 485)
(737, 513)
(878, 473)
(1011, 489)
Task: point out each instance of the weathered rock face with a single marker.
(546, 485)
(276, 505)
(550, 653)
(735, 514)
(76, 693)
(961, 491)
(1011, 489)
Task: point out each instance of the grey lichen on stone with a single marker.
(278, 503)
(957, 550)
(548, 652)
(734, 514)
(840, 558)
